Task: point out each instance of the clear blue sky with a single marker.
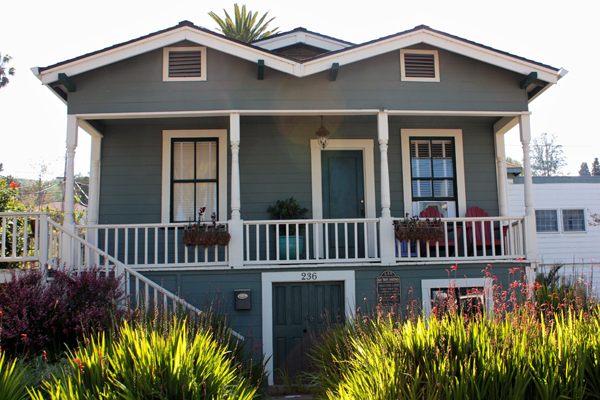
(40, 33)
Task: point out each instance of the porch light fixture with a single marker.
(323, 135)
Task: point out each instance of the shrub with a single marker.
(36, 316)
(154, 362)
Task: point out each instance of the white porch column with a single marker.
(236, 228)
(69, 223)
(530, 233)
(502, 178)
(388, 255)
(94, 196)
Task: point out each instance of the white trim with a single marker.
(562, 224)
(308, 38)
(366, 146)
(461, 194)
(268, 278)
(220, 113)
(436, 64)
(203, 63)
(428, 284)
(221, 134)
(299, 69)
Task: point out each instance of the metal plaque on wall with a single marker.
(388, 288)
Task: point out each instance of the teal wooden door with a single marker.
(301, 311)
(343, 196)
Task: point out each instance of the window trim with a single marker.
(562, 225)
(167, 136)
(428, 284)
(405, 135)
(558, 221)
(436, 63)
(166, 52)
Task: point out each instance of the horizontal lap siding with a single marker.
(136, 85)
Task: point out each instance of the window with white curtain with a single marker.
(194, 178)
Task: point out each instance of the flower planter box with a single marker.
(413, 229)
(206, 235)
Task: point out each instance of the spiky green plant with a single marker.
(245, 27)
(14, 379)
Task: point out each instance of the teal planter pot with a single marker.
(292, 247)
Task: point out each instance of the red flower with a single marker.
(14, 185)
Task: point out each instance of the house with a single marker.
(565, 230)
(186, 118)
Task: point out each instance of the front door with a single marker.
(343, 197)
(301, 311)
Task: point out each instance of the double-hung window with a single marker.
(546, 221)
(573, 220)
(194, 174)
(194, 181)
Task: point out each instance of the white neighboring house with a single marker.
(565, 234)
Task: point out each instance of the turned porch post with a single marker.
(236, 228)
(502, 178)
(69, 223)
(530, 232)
(388, 255)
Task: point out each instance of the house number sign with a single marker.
(388, 288)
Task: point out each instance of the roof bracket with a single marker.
(66, 82)
(261, 70)
(335, 67)
(529, 80)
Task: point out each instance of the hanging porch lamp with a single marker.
(323, 135)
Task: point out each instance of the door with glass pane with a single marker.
(433, 175)
(194, 178)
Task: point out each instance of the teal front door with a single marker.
(301, 311)
(343, 197)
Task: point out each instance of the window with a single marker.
(193, 178)
(467, 295)
(573, 221)
(184, 64)
(194, 174)
(546, 221)
(419, 65)
(433, 170)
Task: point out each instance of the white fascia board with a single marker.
(436, 40)
(302, 37)
(284, 41)
(160, 41)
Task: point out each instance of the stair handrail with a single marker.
(117, 263)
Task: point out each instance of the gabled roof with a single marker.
(345, 53)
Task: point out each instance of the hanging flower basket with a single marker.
(206, 235)
(413, 229)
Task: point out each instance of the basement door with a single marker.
(301, 311)
(343, 197)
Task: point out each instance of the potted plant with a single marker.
(197, 234)
(288, 210)
(414, 228)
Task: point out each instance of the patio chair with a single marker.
(483, 233)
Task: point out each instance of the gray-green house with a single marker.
(186, 118)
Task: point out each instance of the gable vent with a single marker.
(419, 65)
(185, 64)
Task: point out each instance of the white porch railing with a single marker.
(147, 245)
(318, 241)
(24, 237)
(485, 238)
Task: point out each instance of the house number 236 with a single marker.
(309, 276)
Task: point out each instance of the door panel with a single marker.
(301, 311)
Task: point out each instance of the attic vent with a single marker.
(184, 64)
(419, 65)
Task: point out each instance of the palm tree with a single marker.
(245, 28)
(3, 72)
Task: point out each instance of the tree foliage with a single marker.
(5, 71)
(547, 157)
(596, 167)
(245, 27)
(584, 170)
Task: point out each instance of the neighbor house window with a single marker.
(573, 220)
(194, 175)
(546, 221)
(184, 64)
(419, 65)
(469, 296)
(194, 181)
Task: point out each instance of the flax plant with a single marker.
(14, 378)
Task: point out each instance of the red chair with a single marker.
(483, 232)
(432, 213)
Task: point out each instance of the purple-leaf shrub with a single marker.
(36, 315)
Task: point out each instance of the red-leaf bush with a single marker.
(36, 316)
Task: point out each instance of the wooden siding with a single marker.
(136, 85)
(274, 161)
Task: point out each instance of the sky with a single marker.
(39, 33)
